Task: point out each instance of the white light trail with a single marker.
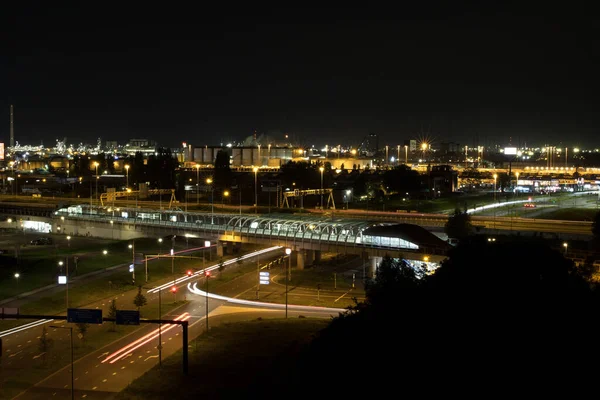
(24, 327)
(194, 289)
(212, 267)
(123, 351)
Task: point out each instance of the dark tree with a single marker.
(82, 329)
(45, 344)
(140, 300)
(112, 313)
(458, 225)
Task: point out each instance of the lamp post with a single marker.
(206, 245)
(517, 183)
(565, 245)
(348, 192)
(212, 205)
(96, 164)
(225, 194)
(495, 177)
(17, 276)
(255, 169)
(60, 264)
(288, 251)
(132, 247)
(206, 275)
(160, 240)
(105, 252)
(322, 169)
(127, 174)
(197, 166)
(72, 373)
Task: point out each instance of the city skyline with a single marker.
(472, 76)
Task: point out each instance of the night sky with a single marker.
(207, 74)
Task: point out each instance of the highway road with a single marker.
(106, 371)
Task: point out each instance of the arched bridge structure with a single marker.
(306, 235)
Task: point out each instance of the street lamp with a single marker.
(197, 166)
(60, 263)
(212, 204)
(321, 169)
(225, 194)
(495, 177)
(96, 164)
(255, 169)
(105, 252)
(207, 275)
(127, 174)
(517, 183)
(17, 275)
(565, 245)
(72, 373)
(160, 240)
(348, 193)
(288, 251)
(132, 247)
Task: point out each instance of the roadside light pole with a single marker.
(495, 177)
(159, 246)
(159, 329)
(288, 251)
(132, 247)
(255, 169)
(127, 174)
(60, 263)
(72, 373)
(348, 192)
(566, 246)
(212, 206)
(225, 194)
(96, 164)
(206, 275)
(322, 169)
(197, 166)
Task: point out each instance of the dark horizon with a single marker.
(323, 76)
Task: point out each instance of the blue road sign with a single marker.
(84, 315)
(128, 317)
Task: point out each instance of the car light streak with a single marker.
(24, 327)
(212, 267)
(123, 351)
(194, 289)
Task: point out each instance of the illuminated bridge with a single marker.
(308, 236)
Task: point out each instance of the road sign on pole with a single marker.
(127, 317)
(84, 315)
(264, 278)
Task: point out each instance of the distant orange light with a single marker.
(207, 273)
(174, 289)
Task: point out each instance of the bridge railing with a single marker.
(223, 229)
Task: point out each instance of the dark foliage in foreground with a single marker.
(497, 318)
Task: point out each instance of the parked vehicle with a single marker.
(41, 241)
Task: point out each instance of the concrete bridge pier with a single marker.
(300, 259)
(375, 261)
(221, 248)
(310, 257)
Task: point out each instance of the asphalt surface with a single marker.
(105, 371)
